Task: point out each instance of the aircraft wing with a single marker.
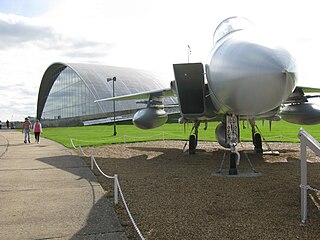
(143, 95)
(308, 84)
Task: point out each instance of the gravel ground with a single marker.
(172, 195)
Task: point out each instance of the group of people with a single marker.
(8, 124)
(26, 128)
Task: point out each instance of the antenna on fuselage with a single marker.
(189, 52)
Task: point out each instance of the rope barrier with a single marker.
(71, 144)
(93, 160)
(145, 137)
(165, 136)
(101, 141)
(117, 187)
(128, 211)
(281, 138)
(308, 187)
(125, 137)
(82, 153)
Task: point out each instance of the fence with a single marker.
(162, 136)
(127, 138)
(117, 187)
(306, 140)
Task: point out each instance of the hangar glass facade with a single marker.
(69, 97)
(68, 90)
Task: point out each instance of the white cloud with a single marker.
(27, 48)
(18, 30)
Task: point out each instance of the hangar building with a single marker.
(68, 90)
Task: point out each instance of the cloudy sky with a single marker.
(145, 34)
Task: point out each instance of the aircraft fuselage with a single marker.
(247, 76)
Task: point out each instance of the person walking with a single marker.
(26, 126)
(37, 129)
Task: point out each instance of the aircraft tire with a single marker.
(257, 142)
(192, 144)
(233, 164)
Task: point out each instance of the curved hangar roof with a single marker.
(128, 81)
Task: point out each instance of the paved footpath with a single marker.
(47, 192)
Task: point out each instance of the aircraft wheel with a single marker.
(257, 142)
(233, 164)
(192, 144)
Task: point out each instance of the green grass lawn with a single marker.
(103, 134)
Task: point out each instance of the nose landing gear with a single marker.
(232, 139)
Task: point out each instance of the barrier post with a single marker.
(91, 162)
(303, 166)
(116, 189)
(306, 140)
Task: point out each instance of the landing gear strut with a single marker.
(227, 134)
(232, 139)
(193, 138)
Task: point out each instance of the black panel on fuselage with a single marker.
(190, 86)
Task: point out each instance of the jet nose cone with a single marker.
(276, 75)
(272, 81)
(249, 78)
(274, 61)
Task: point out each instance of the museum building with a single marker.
(68, 90)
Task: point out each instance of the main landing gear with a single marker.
(228, 136)
(256, 138)
(193, 138)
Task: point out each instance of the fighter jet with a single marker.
(244, 78)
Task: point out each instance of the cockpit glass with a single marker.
(230, 25)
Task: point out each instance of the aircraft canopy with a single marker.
(230, 25)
